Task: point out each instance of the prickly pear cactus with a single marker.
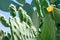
(21, 28)
(48, 27)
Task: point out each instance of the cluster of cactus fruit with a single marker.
(21, 28)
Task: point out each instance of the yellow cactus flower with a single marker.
(50, 8)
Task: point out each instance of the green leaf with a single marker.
(44, 4)
(57, 15)
(21, 1)
(48, 28)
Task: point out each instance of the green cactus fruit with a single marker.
(3, 21)
(12, 9)
(1, 16)
(24, 17)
